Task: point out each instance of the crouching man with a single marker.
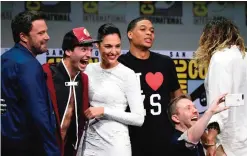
(188, 127)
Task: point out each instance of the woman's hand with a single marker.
(94, 112)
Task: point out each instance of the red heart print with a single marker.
(154, 80)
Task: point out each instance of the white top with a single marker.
(114, 89)
(227, 73)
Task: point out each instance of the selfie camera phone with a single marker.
(234, 100)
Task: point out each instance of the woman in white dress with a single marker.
(112, 88)
(222, 51)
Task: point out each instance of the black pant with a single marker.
(16, 152)
(150, 149)
(14, 148)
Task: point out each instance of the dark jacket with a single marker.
(57, 77)
(29, 125)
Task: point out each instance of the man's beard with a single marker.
(37, 51)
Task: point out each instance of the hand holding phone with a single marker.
(234, 100)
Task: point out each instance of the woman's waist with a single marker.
(110, 105)
(107, 132)
(107, 126)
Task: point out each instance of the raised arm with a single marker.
(196, 131)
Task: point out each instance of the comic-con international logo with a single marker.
(190, 77)
(56, 55)
(191, 80)
(162, 12)
(54, 11)
(104, 11)
(204, 11)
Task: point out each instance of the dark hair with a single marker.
(173, 105)
(107, 29)
(22, 23)
(132, 24)
(70, 42)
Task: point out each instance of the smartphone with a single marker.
(234, 100)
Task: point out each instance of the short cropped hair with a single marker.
(22, 23)
(172, 107)
(132, 24)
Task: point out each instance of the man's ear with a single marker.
(23, 37)
(175, 118)
(130, 35)
(68, 52)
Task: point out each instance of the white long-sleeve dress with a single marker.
(114, 89)
(227, 73)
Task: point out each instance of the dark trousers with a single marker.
(16, 152)
(14, 148)
(139, 149)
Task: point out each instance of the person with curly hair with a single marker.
(221, 49)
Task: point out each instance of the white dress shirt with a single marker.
(227, 73)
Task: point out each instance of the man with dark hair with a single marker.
(28, 127)
(188, 127)
(68, 87)
(159, 83)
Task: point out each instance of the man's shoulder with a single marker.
(123, 57)
(11, 54)
(15, 58)
(226, 56)
(154, 54)
(178, 146)
(84, 75)
(160, 56)
(175, 136)
(18, 56)
(161, 60)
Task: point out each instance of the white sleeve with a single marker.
(219, 82)
(133, 94)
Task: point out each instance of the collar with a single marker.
(24, 49)
(62, 67)
(135, 58)
(178, 131)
